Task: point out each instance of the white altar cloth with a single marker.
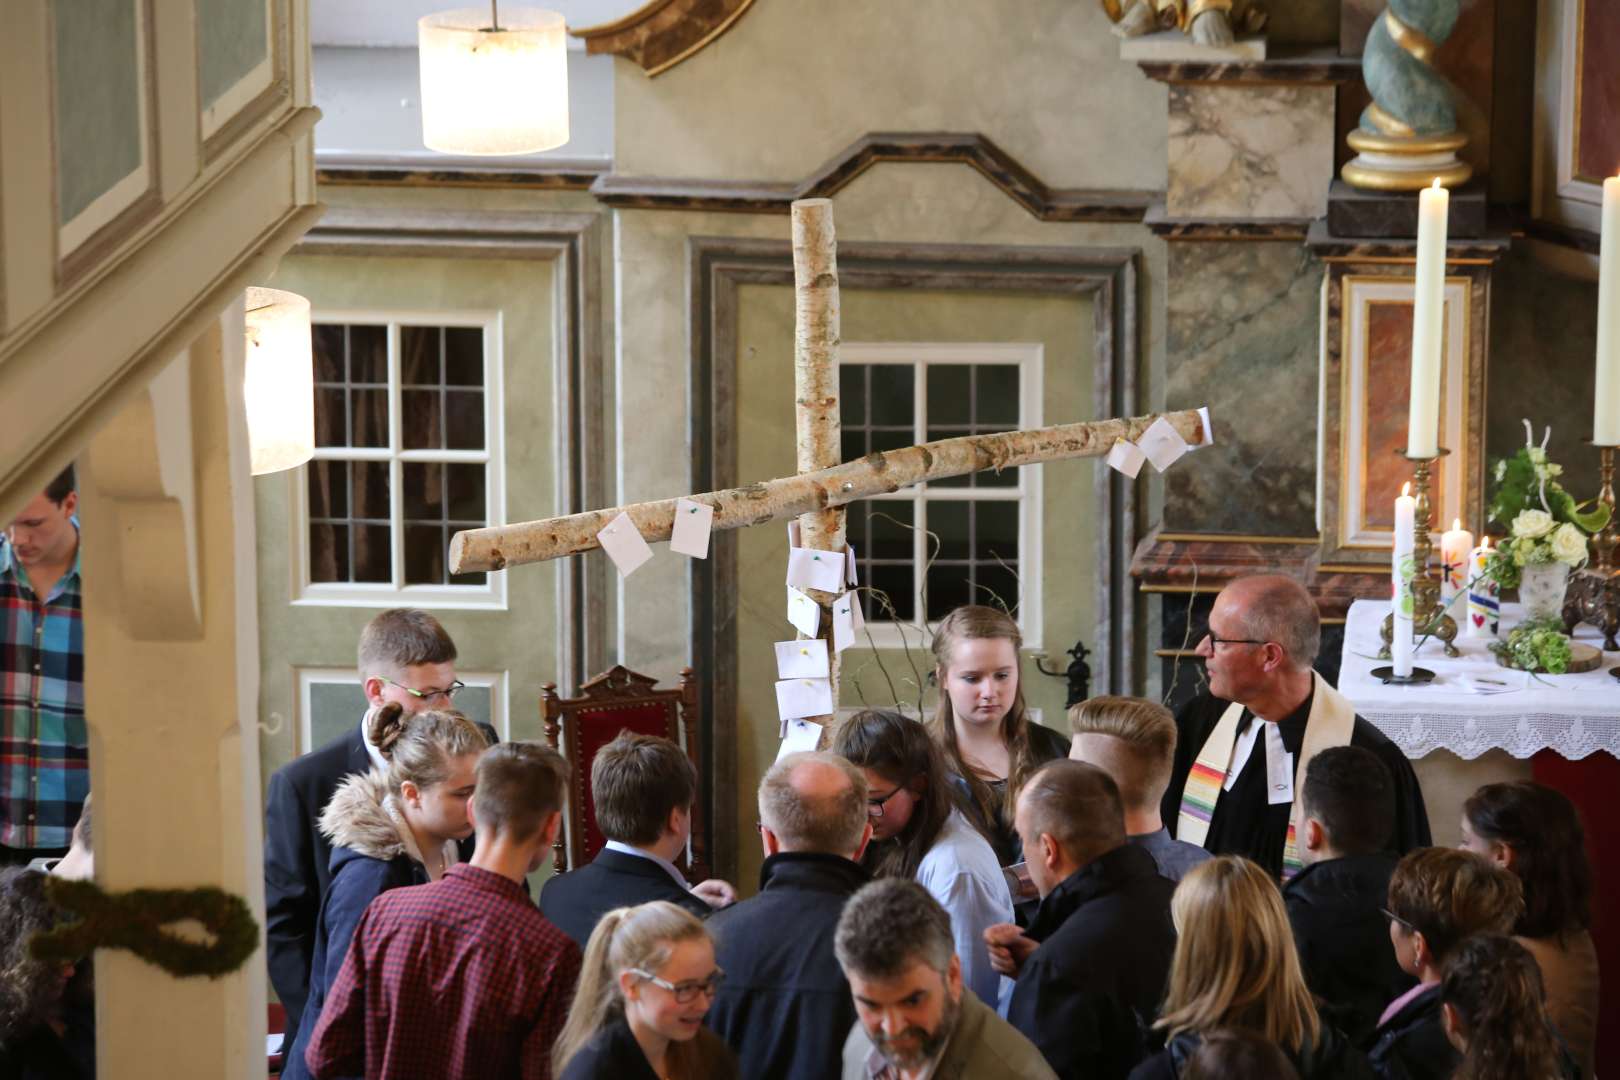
(1574, 715)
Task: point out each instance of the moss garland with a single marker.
(135, 920)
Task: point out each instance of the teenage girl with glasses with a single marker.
(647, 979)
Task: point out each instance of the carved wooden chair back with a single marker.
(617, 700)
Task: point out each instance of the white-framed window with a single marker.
(408, 450)
(332, 700)
(893, 395)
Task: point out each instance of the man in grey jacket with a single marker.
(914, 1018)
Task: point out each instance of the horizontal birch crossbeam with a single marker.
(502, 546)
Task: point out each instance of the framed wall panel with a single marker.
(238, 60)
(105, 161)
(1365, 388)
(1577, 127)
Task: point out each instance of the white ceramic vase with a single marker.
(1541, 589)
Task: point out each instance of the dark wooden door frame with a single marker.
(717, 267)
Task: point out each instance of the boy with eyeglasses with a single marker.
(406, 657)
(463, 978)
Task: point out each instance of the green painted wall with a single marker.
(521, 640)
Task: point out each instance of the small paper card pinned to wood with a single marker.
(849, 566)
(1127, 457)
(797, 698)
(805, 659)
(798, 735)
(793, 533)
(1209, 429)
(803, 612)
(692, 523)
(1162, 444)
(846, 619)
(809, 568)
(624, 545)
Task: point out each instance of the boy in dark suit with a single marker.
(643, 788)
(405, 657)
(1336, 903)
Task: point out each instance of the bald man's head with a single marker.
(1273, 608)
(814, 802)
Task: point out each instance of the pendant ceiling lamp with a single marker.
(279, 387)
(494, 82)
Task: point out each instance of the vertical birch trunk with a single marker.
(815, 383)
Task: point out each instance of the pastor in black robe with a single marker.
(1243, 822)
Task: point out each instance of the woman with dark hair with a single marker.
(990, 743)
(1534, 831)
(1491, 1004)
(919, 832)
(36, 1042)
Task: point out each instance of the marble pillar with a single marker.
(1249, 151)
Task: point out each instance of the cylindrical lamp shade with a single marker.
(494, 91)
(279, 387)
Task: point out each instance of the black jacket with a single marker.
(1413, 1044)
(1332, 1057)
(1089, 994)
(576, 901)
(1343, 940)
(785, 1007)
(614, 1054)
(297, 860)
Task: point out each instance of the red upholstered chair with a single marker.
(618, 700)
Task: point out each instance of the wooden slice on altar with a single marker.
(1582, 657)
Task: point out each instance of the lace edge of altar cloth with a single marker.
(1523, 736)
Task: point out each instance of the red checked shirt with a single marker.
(462, 979)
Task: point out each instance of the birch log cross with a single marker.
(823, 486)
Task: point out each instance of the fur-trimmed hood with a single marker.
(365, 818)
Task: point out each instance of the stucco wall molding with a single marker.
(976, 151)
(572, 239)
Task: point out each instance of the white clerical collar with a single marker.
(643, 853)
(1279, 762)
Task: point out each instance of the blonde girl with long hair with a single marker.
(991, 745)
(1235, 967)
(647, 979)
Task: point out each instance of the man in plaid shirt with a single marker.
(462, 979)
(44, 746)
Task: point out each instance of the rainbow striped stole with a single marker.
(1331, 722)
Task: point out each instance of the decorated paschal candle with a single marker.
(1402, 566)
(1456, 544)
(1484, 608)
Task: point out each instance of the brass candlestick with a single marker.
(1425, 590)
(1594, 593)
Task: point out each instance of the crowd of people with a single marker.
(1244, 889)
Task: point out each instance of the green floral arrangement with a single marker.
(1544, 522)
(1536, 645)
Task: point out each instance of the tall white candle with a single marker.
(1606, 403)
(1401, 570)
(1484, 607)
(1428, 317)
(1455, 545)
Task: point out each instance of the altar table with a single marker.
(1572, 715)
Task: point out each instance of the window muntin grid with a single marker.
(979, 519)
(405, 428)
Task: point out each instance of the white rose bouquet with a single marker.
(1544, 522)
